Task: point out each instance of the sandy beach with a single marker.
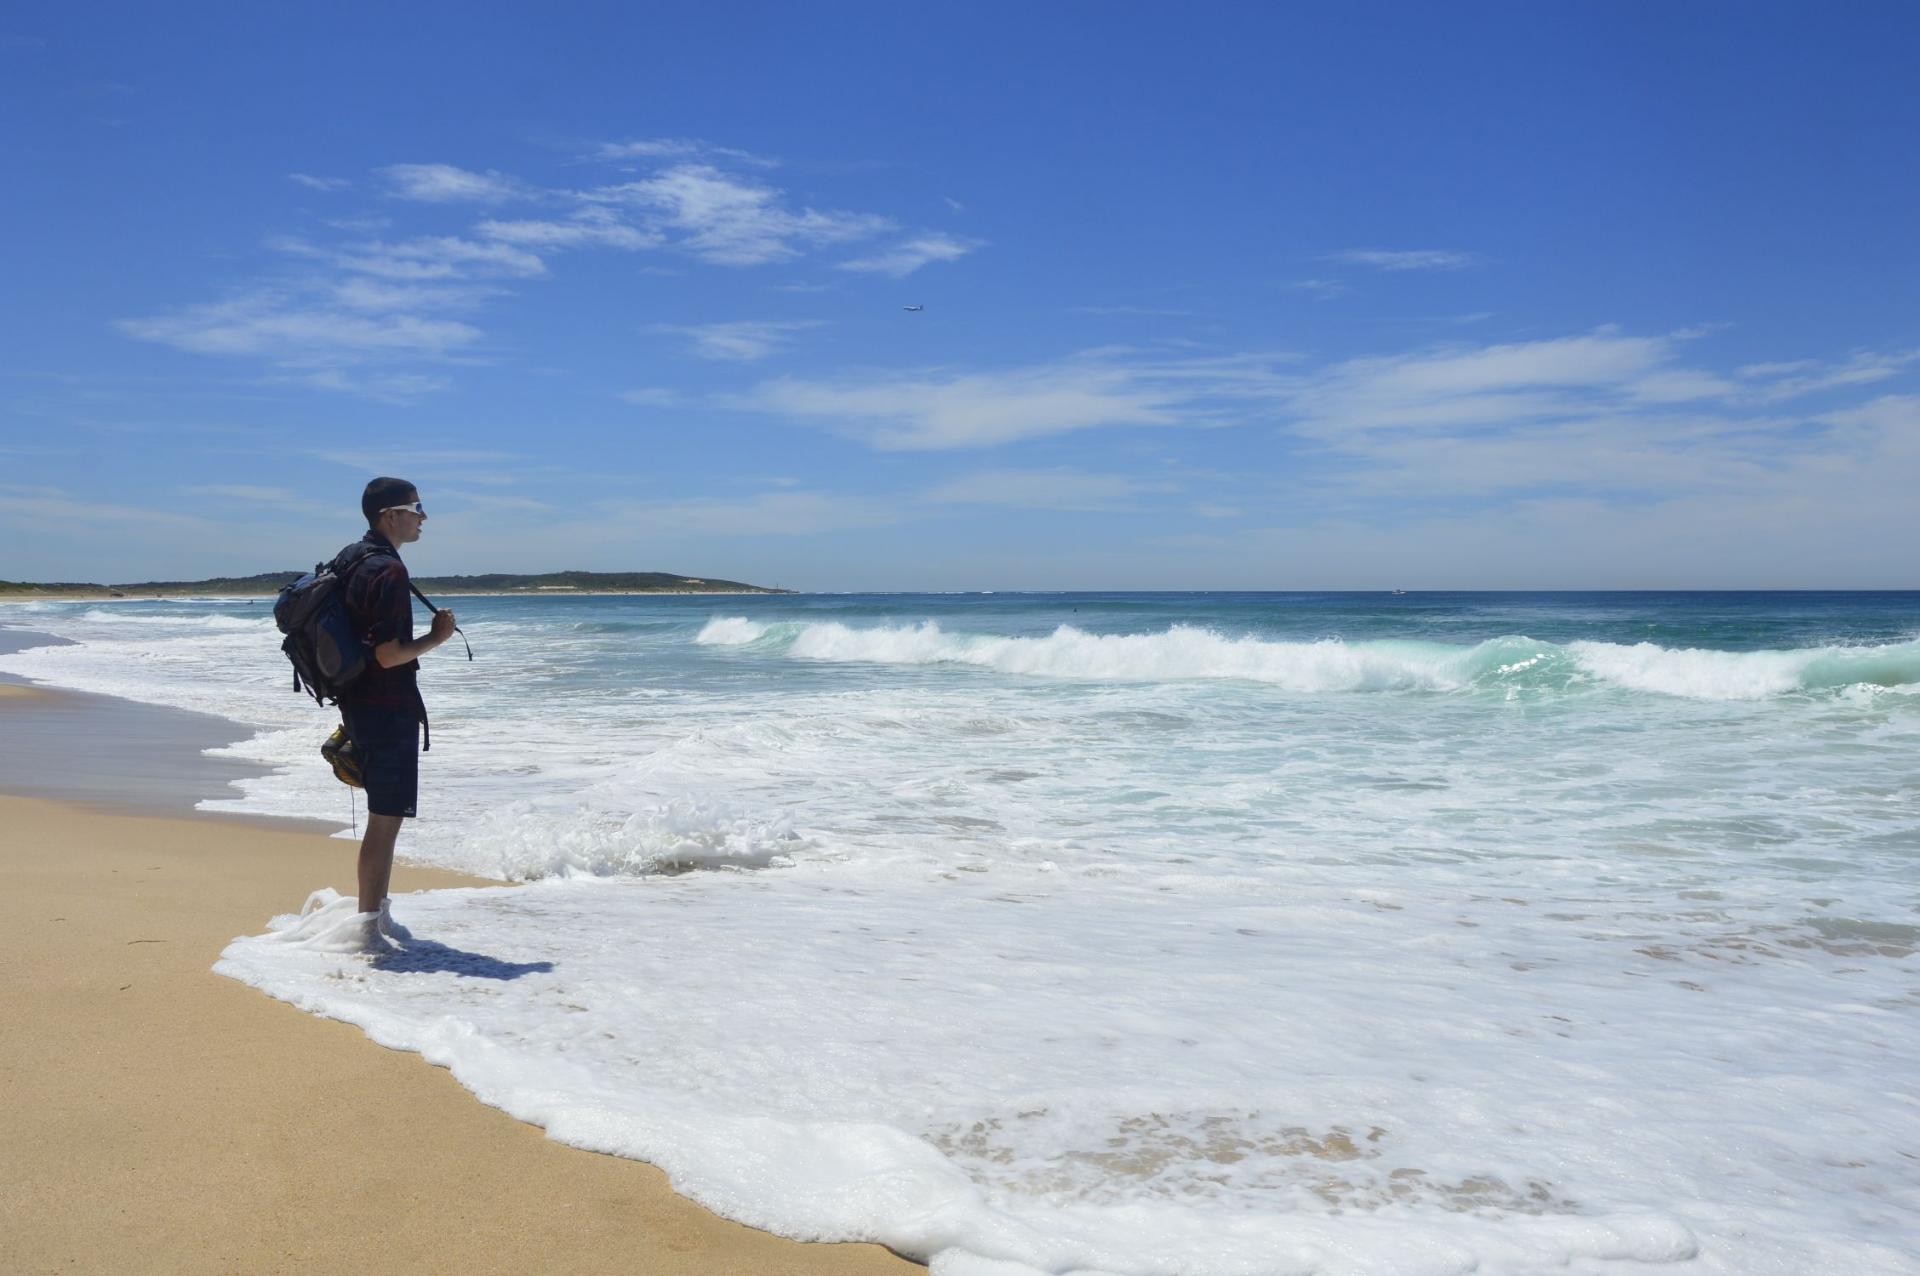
(164, 1118)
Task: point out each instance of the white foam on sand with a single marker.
(1056, 1071)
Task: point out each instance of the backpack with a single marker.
(328, 655)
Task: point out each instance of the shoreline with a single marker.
(169, 1119)
(106, 597)
(113, 754)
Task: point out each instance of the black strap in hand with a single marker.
(430, 607)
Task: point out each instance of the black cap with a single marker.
(385, 493)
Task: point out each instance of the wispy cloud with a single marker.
(904, 258)
(384, 387)
(1141, 312)
(777, 513)
(279, 327)
(242, 492)
(679, 148)
(372, 298)
(1062, 488)
(1406, 259)
(319, 183)
(729, 221)
(279, 499)
(591, 227)
(1605, 416)
(446, 184)
(465, 465)
(1789, 380)
(362, 224)
(655, 397)
(359, 292)
(742, 341)
(368, 302)
(972, 410)
(49, 506)
(1484, 386)
(435, 257)
(1322, 289)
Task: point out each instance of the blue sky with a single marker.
(1228, 296)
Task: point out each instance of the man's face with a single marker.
(402, 525)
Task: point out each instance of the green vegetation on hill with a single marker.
(267, 583)
(55, 587)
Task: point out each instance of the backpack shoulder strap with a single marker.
(353, 555)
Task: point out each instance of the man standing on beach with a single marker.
(382, 711)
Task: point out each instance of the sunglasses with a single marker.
(411, 507)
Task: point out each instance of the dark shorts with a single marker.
(387, 742)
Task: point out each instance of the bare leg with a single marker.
(376, 859)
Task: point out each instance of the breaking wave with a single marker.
(214, 620)
(1186, 652)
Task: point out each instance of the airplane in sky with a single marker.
(913, 307)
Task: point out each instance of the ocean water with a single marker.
(1175, 933)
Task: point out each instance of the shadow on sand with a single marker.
(424, 957)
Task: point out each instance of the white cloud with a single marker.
(244, 492)
(1608, 417)
(279, 499)
(779, 513)
(909, 255)
(678, 148)
(365, 224)
(590, 227)
(1798, 377)
(390, 461)
(654, 397)
(384, 299)
(385, 387)
(973, 410)
(1059, 489)
(1413, 259)
(1321, 289)
(376, 303)
(446, 184)
(1484, 386)
(52, 507)
(1141, 312)
(730, 222)
(741, 342)
(1777, 369)
(438, 257)
(281, 328)
(359, 292)
(1680, 385)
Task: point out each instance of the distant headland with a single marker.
(267, 584)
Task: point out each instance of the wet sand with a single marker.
(163, 1118)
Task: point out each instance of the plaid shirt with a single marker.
(380, 607)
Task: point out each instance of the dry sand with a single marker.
(162, 1118)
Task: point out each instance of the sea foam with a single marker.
(1188, 936)
(1190, 652)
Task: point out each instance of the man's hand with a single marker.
(395, 652)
